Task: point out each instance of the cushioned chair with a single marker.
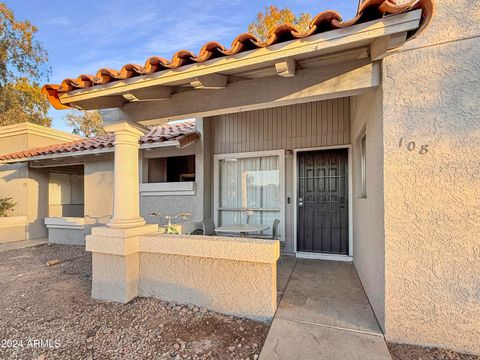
(274, 236)
(208, 227)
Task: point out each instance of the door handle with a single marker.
(300, 202)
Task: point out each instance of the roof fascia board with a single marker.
(320, 44)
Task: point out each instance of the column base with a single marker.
(115, 266)
(126, 223)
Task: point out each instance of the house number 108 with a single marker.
(411, 146)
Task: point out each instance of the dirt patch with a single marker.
(47, 313)
(412, 352)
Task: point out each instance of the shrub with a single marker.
(6, 205)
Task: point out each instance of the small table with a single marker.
(242, 229)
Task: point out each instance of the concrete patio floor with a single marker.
(323, 314)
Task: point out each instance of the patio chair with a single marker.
(274, 236)
(208, 227)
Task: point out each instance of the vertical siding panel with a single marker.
(337, 120)
(282, 129)
(218, 130)
(300, 134)
(228, 139)
(310, 121)
(341, 123)
(347, 121)
(226, 132)
(238, 133)
(261, 128)
(299, 120)
(330, 122)
(316, 124)
(244, 131)
(231, 135)
(324, 123)
(271, 128)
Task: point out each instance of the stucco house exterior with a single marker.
(361, 137)
(26, 186)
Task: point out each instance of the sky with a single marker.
(84, 36)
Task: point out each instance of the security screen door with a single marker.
(322, 201)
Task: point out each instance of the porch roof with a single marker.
(369, 10)
(179, 134)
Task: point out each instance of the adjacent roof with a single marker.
(325, 21)
(183, 133)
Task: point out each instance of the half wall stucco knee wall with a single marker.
(432, 201)
(368, 224)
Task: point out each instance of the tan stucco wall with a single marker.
(12, 228)
(432, 201)
(368, 227)
(98, 190)
(233, 287)
(13, 143)
(231, 275)
(29, 190)
(23, 136)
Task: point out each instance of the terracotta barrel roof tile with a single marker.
(181, 132)
(322, 22)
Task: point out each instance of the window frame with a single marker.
(180, 188)
(281, 195)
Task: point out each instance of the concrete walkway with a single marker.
(324, 314)
(22, 244)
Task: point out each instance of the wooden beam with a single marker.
(148, 94)
(308, 85)
(286, 68)
(316, 45)
(379, 47)
(104, 102)
(210, 82)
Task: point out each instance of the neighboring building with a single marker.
(27, 186)
(74, 181)
(362, 137)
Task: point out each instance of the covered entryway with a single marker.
(322, 201)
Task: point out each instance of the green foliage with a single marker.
(6, 205)
(22, 66)
(22, 101)
(273, 16)
(85, 123)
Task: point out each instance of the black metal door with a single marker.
(322, 202)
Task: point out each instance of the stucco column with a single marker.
(126, 201)
(115, 257)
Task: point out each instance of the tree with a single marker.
(22, 65)
(273, 16)
(85, 123)
(6, 205)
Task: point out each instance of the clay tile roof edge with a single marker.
(322, 22)
(157, 134)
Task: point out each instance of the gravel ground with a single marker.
(47, 313)
(411, 352)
